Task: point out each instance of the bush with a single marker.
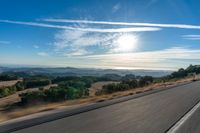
(129, 82)
(32, 97)
(36, 83)
(54, 94)
(19, 86)
(6, 91)
(110, 88)
(132, 83)
(146, 80)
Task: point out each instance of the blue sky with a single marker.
(124, 34)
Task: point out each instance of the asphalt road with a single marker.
(192, 125)
(154, 113)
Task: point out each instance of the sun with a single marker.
(126, 43)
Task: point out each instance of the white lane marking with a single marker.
(184, 119)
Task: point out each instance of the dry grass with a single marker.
(19, 112)
(98, 86)
(8, 83)
(14, 98)
(9, 99)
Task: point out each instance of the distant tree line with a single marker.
(127, 83)
(8, 77)
(181, 73)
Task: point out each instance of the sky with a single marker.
(113, 34)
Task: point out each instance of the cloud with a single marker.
(4, 42)
(101, 30)
(171, 58)
(151, 2)
(191, 37)
(71, 42)
(42, 54)
(116, 7)
(163, 59)
(171, 53)
(75, 43)
(36, 46)
(182, 26)
(78, 52)
(84, 46)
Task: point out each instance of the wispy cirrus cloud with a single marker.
(191, 37)
(100, 30)
(77, 52)
(76, 42)
(43, 54)
(182, 26)
(172, 58)
(4, 42)
(71, 42)
(170, 53)
(116, 7)
(163, 59)
(36, 46)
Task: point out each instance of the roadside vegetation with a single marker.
(74, 87)
(132, 82)
(128, 82)
(37, 93)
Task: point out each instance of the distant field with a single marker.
(14, 98)
(98, 86)
(8, 83)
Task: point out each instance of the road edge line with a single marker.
(174, 128)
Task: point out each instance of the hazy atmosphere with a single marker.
(100, 34)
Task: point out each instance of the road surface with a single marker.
(154, 113)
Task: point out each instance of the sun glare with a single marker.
(127, 43)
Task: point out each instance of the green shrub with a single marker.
(32, 97)
(54, 94)
(36, 83)
(146, 80)
(19, 86)
(110, 88)
(6, 91)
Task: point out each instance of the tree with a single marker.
(146, 80)
(132, 83)
(19, 86)
(7, 77)
(179, 74)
